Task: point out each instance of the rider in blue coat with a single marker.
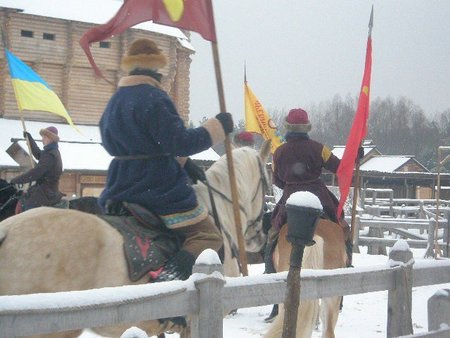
(142, 129)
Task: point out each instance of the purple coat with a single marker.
(297, 166)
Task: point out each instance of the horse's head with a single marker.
(252, 184)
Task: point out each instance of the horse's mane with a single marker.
(246, 170)
(6, 190)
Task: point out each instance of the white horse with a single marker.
(51, 250)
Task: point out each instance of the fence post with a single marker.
(430, 246)
(446, 233)
(399, 322)
(355, 238)
(209, 321)
(439, 309)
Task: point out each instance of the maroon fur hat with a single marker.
(244, 138)
(51, 132)
(297, 121)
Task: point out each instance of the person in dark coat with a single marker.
(45, 174)
(297, 166)
(149, 141)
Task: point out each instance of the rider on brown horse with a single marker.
(297, 166)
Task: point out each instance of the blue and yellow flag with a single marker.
(32, 92)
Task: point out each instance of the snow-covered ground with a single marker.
(363, 315)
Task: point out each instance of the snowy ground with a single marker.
(363, 316)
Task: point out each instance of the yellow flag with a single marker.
(258, 121)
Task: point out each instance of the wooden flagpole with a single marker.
(6, 45)
(357, 183)
(356, 188)
(234, 192)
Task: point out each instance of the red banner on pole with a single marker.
(358, 130)
(193, 15)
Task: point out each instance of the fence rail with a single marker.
(207, 295)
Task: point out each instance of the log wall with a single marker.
(50, 46)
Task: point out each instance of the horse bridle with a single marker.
(262, 185)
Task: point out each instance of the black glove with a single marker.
(27, 135)
(227, 122)
(194, 171)
(360, 154)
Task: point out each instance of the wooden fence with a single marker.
(438, 316)
(207, 295)
(374, 228)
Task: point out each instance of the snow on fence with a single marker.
(207, 295)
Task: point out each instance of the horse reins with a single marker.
(261, 183)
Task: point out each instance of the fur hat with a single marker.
(297, 121)
(143, 53)
(51, 132)
(244, 138)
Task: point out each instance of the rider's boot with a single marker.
(197, 237)
(349, 251)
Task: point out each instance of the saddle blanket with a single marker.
(146, 249)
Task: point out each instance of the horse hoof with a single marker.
(272, 315)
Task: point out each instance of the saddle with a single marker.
(147, 243)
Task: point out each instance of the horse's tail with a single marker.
(308, 311)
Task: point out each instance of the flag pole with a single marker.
(234, 191)
(357, 183)
(356, 189)
(6, 45)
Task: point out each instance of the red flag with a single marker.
(358, 130)
(194, 15)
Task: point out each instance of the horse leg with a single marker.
(335, 257)
(329, 312)
(306, 320)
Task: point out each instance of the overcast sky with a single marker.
(303, 52)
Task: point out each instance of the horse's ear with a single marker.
(264, 151)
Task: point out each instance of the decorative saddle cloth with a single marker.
(147, 243)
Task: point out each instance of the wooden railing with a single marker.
(207, 295)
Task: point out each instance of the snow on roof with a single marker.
(385, 163)
(85, 154)
(338, 151)
(92, 11)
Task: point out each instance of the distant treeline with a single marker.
(396, 126)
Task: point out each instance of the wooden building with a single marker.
(50, 46)
(49, 43)
(406, 176)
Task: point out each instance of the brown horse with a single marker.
(328, 253)
(50, 250)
